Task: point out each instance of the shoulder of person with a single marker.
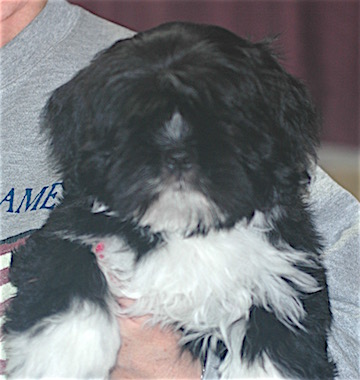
(335, 209)
(92, 33)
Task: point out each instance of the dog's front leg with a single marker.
(235, 366)
(80, 343)
(60, 324)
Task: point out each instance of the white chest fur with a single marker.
(205, 284)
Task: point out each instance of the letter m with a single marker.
(31, 203)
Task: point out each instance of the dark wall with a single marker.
(319, 40)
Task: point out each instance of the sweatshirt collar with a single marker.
(34, 42)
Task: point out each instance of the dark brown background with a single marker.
(319, 40)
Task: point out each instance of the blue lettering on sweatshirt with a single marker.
(28, 200)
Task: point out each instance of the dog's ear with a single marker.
(299, 121)
(78, 115)
(283, 118)
(63, 119)
(277, 106)
(294, 110)
(275, 116)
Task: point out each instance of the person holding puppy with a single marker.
(43, 45)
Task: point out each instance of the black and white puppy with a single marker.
(185, 153)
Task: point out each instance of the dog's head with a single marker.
(184, 127)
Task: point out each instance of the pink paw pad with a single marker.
(98, 249)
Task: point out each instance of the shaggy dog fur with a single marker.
(186, 153)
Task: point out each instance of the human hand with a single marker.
(151, 352)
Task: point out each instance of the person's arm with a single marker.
(152, 352)
(337, 219)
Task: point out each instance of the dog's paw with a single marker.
(80, 343)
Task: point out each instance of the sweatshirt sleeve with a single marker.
(337, 219)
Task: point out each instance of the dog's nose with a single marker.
(178, 161)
